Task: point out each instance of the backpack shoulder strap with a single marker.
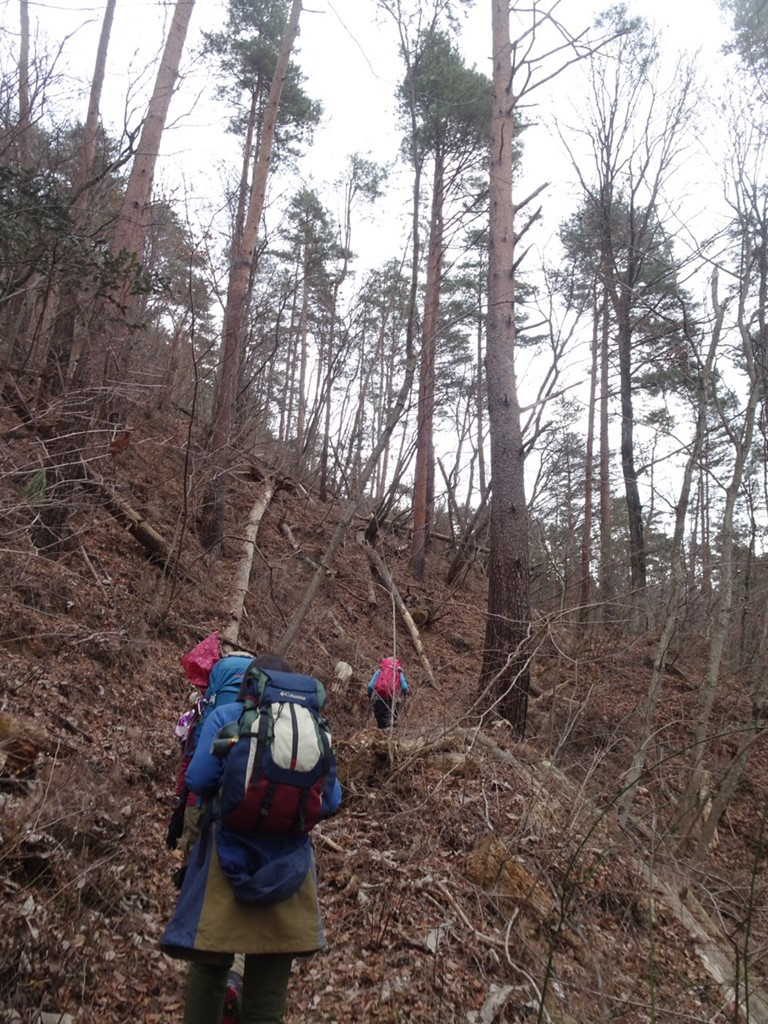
(256, 676)
(248, 716)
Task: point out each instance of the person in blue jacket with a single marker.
(387, 688)
(251, 894)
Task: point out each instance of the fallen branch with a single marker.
(328, 842)
(155, 546)
(70, 726)
(380, 566)
(665, 888)
(288, 534)
(427, 884)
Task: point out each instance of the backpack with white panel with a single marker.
(278, 756)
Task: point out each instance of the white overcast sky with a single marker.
(351, 64)
(349, 57)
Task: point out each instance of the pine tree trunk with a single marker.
(110, 349)
(90, 131)
(214, 497)
(425, 459)
(242, 194)
(505, 670)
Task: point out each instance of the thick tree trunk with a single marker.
(131, 227)
(505, 663)
(109, 351)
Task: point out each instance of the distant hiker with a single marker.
(386, 689)
(251, 882)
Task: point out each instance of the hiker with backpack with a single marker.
(266, 760)
(387, 689)
(217, 680)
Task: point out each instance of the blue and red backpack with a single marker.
(278, 756)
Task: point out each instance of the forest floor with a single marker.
(468, 878)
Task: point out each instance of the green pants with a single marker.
(265, 988)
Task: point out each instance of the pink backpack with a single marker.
(388, 683)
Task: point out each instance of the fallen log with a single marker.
(153, 543)
(236, 603)
(300, 554)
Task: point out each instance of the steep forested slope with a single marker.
(469, 877)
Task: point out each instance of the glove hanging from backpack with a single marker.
(176, 824)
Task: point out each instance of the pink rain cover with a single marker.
(198, 662)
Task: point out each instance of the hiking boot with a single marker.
(232, 999)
